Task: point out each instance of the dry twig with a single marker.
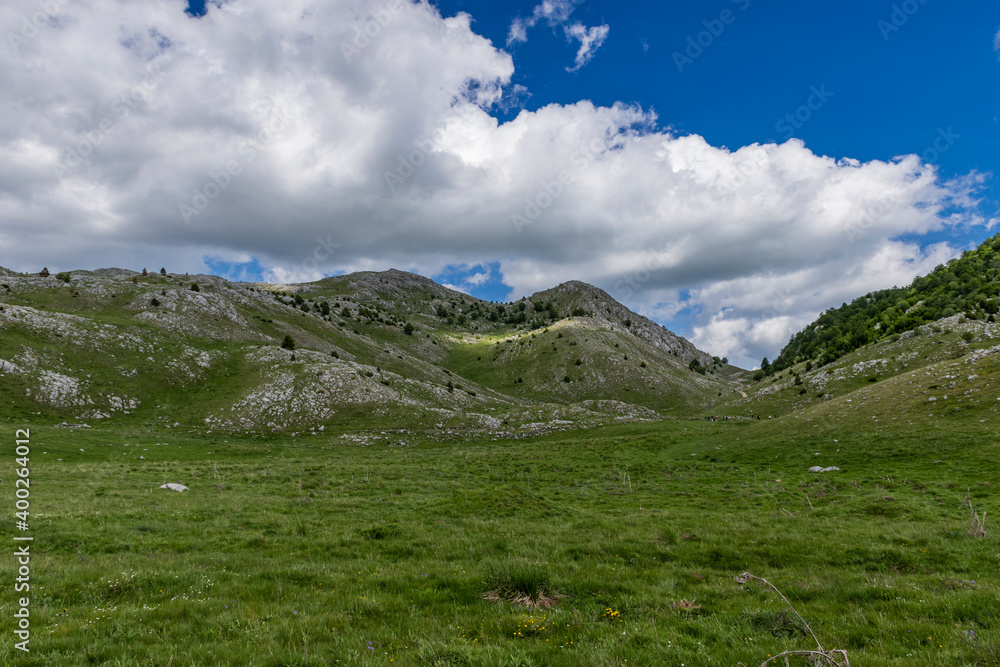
(977, 524)
(821, 656)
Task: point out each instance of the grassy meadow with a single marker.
(622, 544)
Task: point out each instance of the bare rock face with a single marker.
(109, 273)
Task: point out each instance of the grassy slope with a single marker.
(625, 367)
(313, 551)
(905, 370)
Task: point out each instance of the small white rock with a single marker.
(174, 487)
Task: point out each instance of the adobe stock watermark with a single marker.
(121, 108)
(697, 44)
(636, 279)
(369, 29)
(874, 210)
(222, 178)
(804, 113)
(407, 164)
(550, 191)
(31, 26)
(750, 320)
(656, 258)
(878, 208)
(745, 168)
(236, 10)
(22, 554)
(900, 14)
(321, 252)
(782, 302)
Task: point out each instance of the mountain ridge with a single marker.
(391, 348)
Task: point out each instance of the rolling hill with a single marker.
(387, 350)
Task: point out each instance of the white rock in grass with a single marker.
(816, 469)
(830, 469)
(174, 487)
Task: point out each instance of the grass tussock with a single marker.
(520, 584)
(382, 531)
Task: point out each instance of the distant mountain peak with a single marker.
(390, 285)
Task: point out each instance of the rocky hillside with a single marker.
(369, 350)
(967, 286)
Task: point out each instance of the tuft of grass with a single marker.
(521, 584)
(438, 656)
(382, 531)
(776, 623)
(668, 536)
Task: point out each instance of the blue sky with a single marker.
(889, 96)
(728, 168)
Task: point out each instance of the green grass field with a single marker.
(312, 551)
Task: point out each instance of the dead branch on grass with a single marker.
(820, 656)
(977, 523)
